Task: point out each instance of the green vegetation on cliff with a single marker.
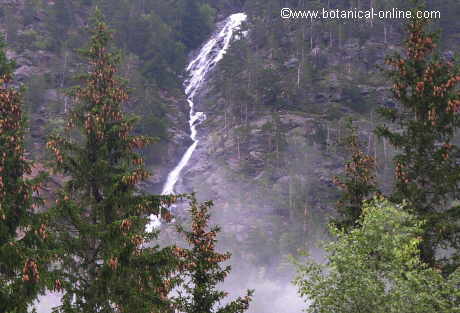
(93, 246)
(277, 108)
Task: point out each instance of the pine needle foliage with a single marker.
(108, 262)
(422, 131)
(201, 269)
(23, 231)
(357, 183)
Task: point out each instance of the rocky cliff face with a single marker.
(47, 74)
(271, 175)
(270, 169)
(269, 148)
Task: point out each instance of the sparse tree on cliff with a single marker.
(201, 267)
(427, 168)
(108, 262)
(196, 22)
(23, 234)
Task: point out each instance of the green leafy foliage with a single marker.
(376, 268)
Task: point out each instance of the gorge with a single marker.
(208, 57)
(248, 110)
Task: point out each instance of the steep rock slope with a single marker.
(276, 111)
(43, 38)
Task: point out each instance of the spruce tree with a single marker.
(58, 22)
(427, 169)
(23, 232)
(201, 267)
(358, 182)
(107, 261)
(194, 27)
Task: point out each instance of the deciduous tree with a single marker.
(376, 268)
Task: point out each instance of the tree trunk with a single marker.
(238, 147)
(63, 81)
(385, 156)
(385, 32)
(371, 6)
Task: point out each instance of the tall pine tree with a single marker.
(427, 168)
(108, 262)
(358, 182)
(201, 267)
(23, 232)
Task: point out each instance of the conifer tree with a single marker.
(194, 26)
(201, 267)
(108, 262)
(23, 232)
(59, 20)
(427, 168)
(357, 184)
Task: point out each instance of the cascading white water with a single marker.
(210, 54)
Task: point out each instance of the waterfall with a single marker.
(210, 54)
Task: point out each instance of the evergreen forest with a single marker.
(218, 156)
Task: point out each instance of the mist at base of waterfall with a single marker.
(270, 296)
